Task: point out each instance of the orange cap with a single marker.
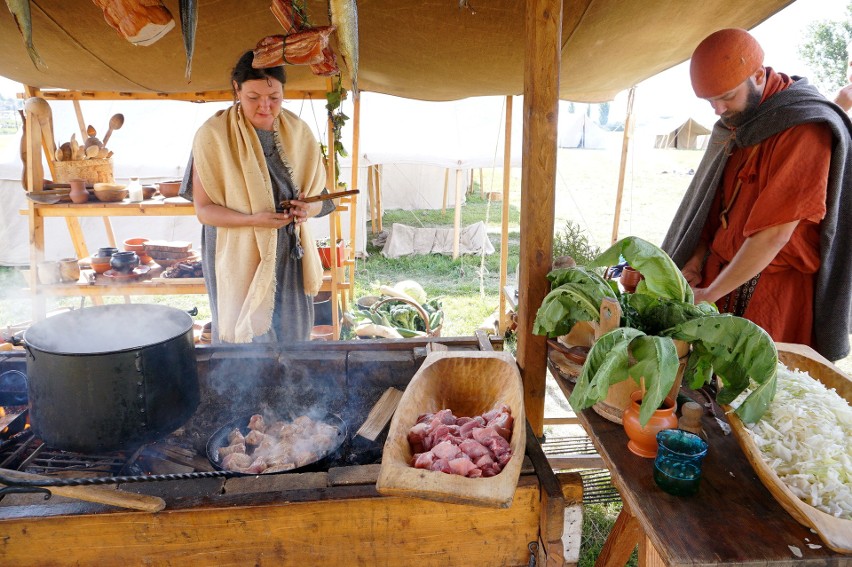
(723, 60)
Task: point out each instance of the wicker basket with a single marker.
(436, 332)
(91, 170)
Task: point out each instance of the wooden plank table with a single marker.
(733, 520)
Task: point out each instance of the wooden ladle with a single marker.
(115, 123)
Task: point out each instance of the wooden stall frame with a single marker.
(335, 280)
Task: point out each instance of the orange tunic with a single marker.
(784, 181)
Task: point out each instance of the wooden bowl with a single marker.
(835, 532)
(109, 192)
(469, 383)
(169, 188)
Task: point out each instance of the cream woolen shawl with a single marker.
(230, 163)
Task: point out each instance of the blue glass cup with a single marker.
(677, 468)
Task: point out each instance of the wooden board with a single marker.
(835, 532)
(178, 281)
(380, 414)
(469, 383)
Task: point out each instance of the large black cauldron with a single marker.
(111, 377)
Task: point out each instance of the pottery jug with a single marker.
(643, 438)
(78, 192)
(629, 279)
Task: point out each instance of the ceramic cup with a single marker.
(48, 272)
(69, 270)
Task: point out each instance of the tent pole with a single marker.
(356, 138)
(504, 225)
(542, 58)
(457, 214)
(446, 188)
(625, 146)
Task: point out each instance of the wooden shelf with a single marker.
(151, 207)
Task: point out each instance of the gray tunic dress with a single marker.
(293, 315)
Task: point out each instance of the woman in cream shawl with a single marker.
(261, 264)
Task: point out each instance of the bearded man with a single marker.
(763, 230)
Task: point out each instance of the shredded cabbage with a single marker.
(804, 437)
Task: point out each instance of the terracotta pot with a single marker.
(618, 395)
(643, 439)
(78, 192)
(629, 279)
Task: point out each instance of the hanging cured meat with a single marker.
(141, 22)
(301, 48)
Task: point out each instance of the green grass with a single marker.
(598, 520)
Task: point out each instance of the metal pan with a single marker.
(220, 439)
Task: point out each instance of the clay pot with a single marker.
(138, 245)
(78, 192)
(106, 252)
(100, 264)
(169, 188)
(69, 270)
(124, 262)
(643, 439)
(630, 279)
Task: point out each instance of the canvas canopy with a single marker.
(428, 49)
(689, 135)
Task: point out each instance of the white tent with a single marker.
(580, 131)
(689, 135)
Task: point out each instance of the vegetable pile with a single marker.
(401, 319)
(660, 310)
(804, 437)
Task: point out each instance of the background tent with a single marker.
(580, 131)
(687, 136)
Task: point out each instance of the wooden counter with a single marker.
(733, 520)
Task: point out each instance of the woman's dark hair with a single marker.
(243, 71)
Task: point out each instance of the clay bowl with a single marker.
(109, 192)
(100, 264)
(148, 191)
(137, 245)
(169, 188)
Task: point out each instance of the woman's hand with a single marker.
(271, 219)
(301, 211)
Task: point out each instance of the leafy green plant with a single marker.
(572, 241)
(660, 311)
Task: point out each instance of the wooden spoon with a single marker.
(115, 123)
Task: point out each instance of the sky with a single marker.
(669, 94)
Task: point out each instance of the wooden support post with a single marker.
(457, 215)
(331, 181)
(542, 58)
(504, 224)
(80, 122)
(625, 147)
(378, 172)
(371, 190)
(621, 542)
(481, 184)
(446, 189)
(356, 149)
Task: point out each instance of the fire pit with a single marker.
(289, 519)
